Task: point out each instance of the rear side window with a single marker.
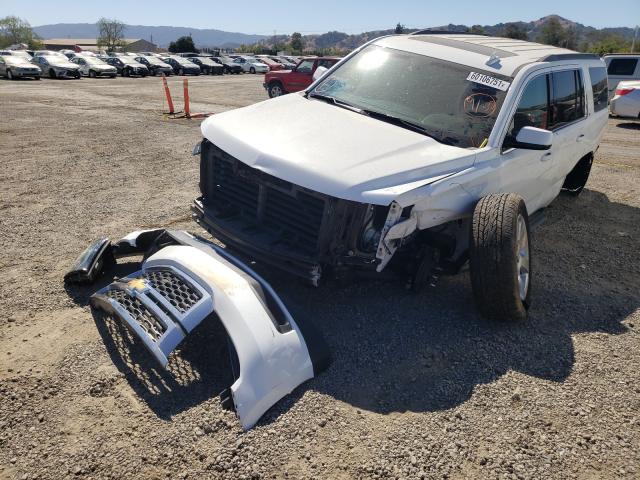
(567, 102)
(533, 108)
(599, 86)
(622, 66)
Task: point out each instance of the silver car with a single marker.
(14, 66)
(57, 66)
(94, 67)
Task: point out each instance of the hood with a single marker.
(332, 150)
(60, 62)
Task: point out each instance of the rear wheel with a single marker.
(500, 257)
(9, 74)
(92, 74)
(52, 73)
(577, 178)
(275, 90)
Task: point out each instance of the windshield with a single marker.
(154, 61)
(206, 61)
(434, 95)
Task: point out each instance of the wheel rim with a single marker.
(9, 75)
(252, 70)
(276, 91)
(523, 258)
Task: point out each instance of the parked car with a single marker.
(16, 66)
(182, 66)
(622, 67)
(17, 53)
(127, 66)
(207, 65)
(56, 66)
(290, 81)
(286, 64)
(251, 65)
(229, 65)
(41, 53)
(416, 152)
(149, 54)
(272, 64)
(94, 67)
(626, 101)
(155, 65)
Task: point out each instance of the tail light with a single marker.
(624, 91)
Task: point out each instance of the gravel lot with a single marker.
(420, 386)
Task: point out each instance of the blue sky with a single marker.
(267, 16)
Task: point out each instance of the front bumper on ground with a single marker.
(188, 280)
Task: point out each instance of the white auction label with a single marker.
(489, 81)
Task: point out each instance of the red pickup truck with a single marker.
(280, 82)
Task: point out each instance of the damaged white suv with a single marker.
(416, 153)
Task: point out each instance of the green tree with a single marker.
(513, 30)
(183, 44)
(296, 42)
(552, 33)
(16, 30)
(111, 34)
(399, 29)
(477, 29)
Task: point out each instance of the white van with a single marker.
(622, 67)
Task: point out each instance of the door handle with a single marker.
(580, 138)
(545, 157)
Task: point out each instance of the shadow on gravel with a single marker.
(397, 351)
(629, 125)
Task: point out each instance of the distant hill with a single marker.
(161, 35)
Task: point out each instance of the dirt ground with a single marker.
(420, 386)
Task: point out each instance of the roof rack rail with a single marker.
(426, 31)
(568, 56)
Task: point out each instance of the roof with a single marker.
(82, 41)
(475, 50)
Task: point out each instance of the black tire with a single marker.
(92, 74)
(10, 75)
(52, 73)
(114, 75)
(500, 272)
(275, 90)
(252, 70)
(77, 75)
(577, 178)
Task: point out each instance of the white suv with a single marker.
(414, 154)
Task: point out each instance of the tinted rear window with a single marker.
(599, 86)
(622, 66)
(568, 97)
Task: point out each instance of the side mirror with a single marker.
(319, 72)
(532, 138)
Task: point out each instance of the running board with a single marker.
(187, 280)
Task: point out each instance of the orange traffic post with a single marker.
(168, 94)
(187, 112)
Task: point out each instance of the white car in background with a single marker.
(94, 67)
(251, 65)
(626, 100)
(57, 66)
(621, 67)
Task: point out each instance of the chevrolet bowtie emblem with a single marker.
(137, 284)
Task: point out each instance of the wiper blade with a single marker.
(336, 102)
(407, 124)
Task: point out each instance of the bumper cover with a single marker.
(187, 280)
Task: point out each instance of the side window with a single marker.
(533, 109)
(622, 66)
(598, 77)
(325, 63)
(305, 67)
(567, 102)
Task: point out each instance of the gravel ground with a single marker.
(420, 386)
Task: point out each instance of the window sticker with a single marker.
(488, 80)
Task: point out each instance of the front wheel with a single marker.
(9, 75)
(252, 70)
(181, 72)
(275, 90)
(500, 257)
(92, 74)
(52, 73)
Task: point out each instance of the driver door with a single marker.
(301, 76)
(528, 172)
